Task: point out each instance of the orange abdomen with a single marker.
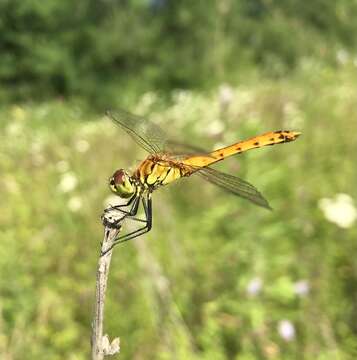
(269, 138)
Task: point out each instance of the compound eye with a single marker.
(121, 184)
(118, 177)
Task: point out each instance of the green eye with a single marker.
(121, 184)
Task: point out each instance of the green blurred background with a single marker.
(216, 278)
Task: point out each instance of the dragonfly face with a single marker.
(122, 184)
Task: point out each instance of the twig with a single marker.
(101, 345)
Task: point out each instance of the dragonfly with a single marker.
(169, 161)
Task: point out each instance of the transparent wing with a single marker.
(148, 135)
(154, 140)
(178, 148)
(234, 185)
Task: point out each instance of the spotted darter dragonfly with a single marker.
(169, 161)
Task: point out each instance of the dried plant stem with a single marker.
(101, 345)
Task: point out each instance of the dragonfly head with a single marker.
(122, 184)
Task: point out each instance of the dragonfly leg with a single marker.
(119, 207)
(147, 205)
(115, 223)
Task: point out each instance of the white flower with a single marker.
(68, 182)
(254, 286)
(215, 128)
(75, 203)
(82, 146)
(181, 96)
(94, 127)
(339, 210)
(147, 100)
(14, 128)
(62, 166)
(36, 150)
(11, 185)
(342, 56)
(225, 94)
(301, 288)
(286, 330)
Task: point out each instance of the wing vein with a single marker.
(234, 185)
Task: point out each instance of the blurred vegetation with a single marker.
(100, 50)
(216, 278)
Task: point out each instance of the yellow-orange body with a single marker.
(161, 169)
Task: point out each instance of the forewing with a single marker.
(148, 135)
(234, 185)
(177, 147)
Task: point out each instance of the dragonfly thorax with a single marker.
(122, 184)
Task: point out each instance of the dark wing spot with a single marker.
(278, 132)
(239, 148)
(256, 143)
(281, 136)
(271, 139)
(221, 154)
